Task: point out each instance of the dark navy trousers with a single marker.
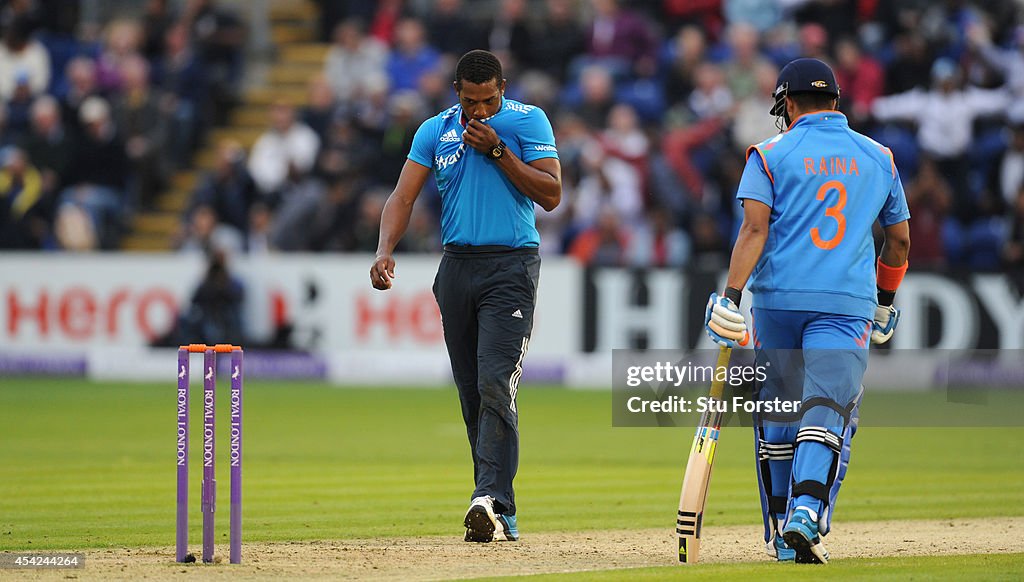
(487, 297)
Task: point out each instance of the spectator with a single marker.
(97, 177)
(1010, 175)
(763, 15)
(710, 248)
(450, 31)
(929, 199)
(613, 171)
(911, 64)
(6, 138)
(411, 56)
(218, 35)
(205, 234)
(686, 53)
(1008, 63)
(184, 81)
(18, 110)
(604, 244)
(508, 36)
(711, 97)
(143, 128)
(384, 24)
(702, 14)
(320, 108)
(1013, 251)
(289, 147)
(24, 222)
(945, 116)
(659, 242)
(367, 226)
(228, 188)
(750, 125)
(621, 39)
(215, 313)
(596, 95)
(345, 150)
(860, 78)
(22, 58)
(157, 20)
(81, 83)
(49, 146)
(814, 41)
(741, 69)
(352, 60)
(122, 41)
(258, 238)
(405, 112)
(332, 227)
(559, 40)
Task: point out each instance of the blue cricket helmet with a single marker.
(803, 76)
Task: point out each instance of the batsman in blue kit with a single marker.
(492, 158)
(810, 197)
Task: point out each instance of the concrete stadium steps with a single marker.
(290, 10)
(293, 74)
(243, 135)
(146, 242)
(266, 96)
(157, 222)
(250, 116)
(310, 53)
(294, 31)
(289, 32)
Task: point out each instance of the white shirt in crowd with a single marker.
(274, 151)
(944, 120)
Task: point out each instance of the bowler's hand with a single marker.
(382, 272)
(480, 136)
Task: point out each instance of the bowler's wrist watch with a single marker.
(497, 151)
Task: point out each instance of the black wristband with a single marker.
(885, 298)
(733, 294)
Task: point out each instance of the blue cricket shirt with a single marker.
(826, 185)
(479, 205)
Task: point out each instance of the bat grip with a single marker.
(718, 381)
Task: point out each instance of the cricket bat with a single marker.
(698, 470)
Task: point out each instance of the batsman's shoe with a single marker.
(481, 522)
(506, 530)
(801, 534)
(778, 549)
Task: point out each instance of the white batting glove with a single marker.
(884, 324)
(724, 322)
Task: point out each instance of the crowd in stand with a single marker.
(654, 103)
(94, 117)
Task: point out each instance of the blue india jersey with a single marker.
(479, 205)
(826, 185)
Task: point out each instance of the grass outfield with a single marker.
(977, 567)
(90, 466)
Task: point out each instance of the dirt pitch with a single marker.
(444, 558)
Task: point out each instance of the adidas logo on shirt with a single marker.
(450, 136)
(517, 314)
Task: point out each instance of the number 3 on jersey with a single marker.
(834, 212)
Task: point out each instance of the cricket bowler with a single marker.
(493, 159)
(810, 197)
